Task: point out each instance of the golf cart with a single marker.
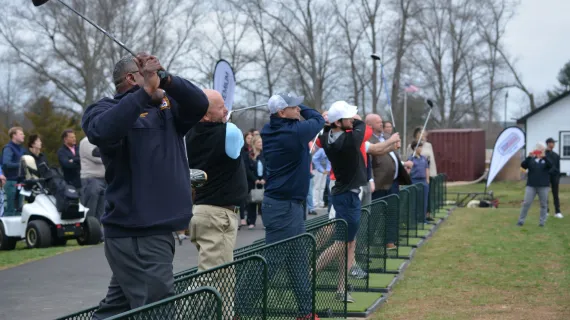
(52, 213)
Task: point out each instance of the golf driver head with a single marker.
(429, 103)
(38, 3)
(375, 56)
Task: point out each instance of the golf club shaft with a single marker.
(99, 28)
(387, 95)
(250, 107)
(315, 141)
(423, 129)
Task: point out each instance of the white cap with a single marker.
(341, 110)
(281, 101)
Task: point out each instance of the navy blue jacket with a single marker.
(142, 148)
(538, 172)
(11, 155)
(286, 153)
(71, 170)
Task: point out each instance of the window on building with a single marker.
(565, 144)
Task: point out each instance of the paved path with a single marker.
(72, 281)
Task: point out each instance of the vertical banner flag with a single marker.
(224, 82)
(507, 144)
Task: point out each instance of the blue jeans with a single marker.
(283, 219)
(11, 203)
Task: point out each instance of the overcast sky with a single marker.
(537, 38)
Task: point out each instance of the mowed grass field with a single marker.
(22, 254)
(480, 265)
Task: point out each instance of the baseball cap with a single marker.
(549, 140)
(280, 101)
(341, 110)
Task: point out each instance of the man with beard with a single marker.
(214, 146)
(140, 134)
(342, 142)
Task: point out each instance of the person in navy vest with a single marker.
(214, 146)
(11, 155)
(140, 134)
(538, 182)
(420, 174)
(69, 160)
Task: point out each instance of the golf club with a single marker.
(430, 104)
(246, 108)
(377, 58)
(315, 140)
(162, 74)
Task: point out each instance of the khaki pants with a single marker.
(214, 230)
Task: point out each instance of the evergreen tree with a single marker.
(563, 80)
(50, 123)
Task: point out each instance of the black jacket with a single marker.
(251, 170)
(538, 171)
(555, 161)
(70, 165)
(40, 158)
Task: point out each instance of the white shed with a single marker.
(551, 120)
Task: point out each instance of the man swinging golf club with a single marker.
(140, 134)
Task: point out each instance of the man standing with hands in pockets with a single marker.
(140, 134)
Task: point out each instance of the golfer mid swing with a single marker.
(140, 134)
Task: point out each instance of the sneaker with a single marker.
(430, 219)
(309, 317)
(559, 215)
(520, 224)
(340, 296)
(541, 225)
(357, 272)
(391, 246)
(313, 213)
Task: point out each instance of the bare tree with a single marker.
(443, 38)
(353, 32)
(491, 26)
(309, 31)
(268, 56)
(67, 53)
(407, 9)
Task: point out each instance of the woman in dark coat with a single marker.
(255, 170)
(35, 150)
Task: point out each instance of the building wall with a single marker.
(549, 123)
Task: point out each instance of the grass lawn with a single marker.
(22, 254)
(480, 265)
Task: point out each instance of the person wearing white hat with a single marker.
(287, 163)
(342, 142)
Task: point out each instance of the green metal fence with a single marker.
(377, 228)
(331, 237)
(201, 304)
(286, 279)
(291, 276)
(232, 280)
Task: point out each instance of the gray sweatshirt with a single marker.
(91, 163)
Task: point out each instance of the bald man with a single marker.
(214, 146)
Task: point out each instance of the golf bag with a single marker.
(66, 196)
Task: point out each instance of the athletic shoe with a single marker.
(340, 296)
(559, 215)
(309, 317)
(520, 224)
(430, 219)
(357, 272)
